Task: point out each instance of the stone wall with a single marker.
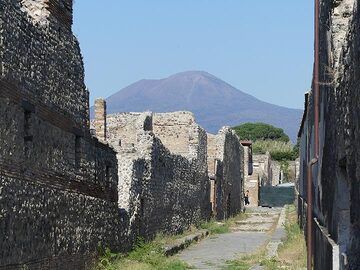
(336, 178)
(277, 174)
(162, 191)
(180, 134)
(251, 179)
(226, 171)
(262, 168)
(58, 185)
(53, 63)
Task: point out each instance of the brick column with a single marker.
(100, 119)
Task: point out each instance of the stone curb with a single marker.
(184, 242)
(278, 236)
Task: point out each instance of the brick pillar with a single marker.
(100, 119)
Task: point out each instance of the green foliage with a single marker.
(292, 228)
(267, 138)
(106, 259)
(279, 151)
(260, 131)
(237, 265)
(146, 255)
(283, 155)
(291, 253)
(151, 255)
(215, 227)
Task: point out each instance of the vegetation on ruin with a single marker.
(267, 138)
(291, 253)
(216, 227)
(145, 256)
(151, 255)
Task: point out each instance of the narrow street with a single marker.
(261, 228)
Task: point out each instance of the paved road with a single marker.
(246, 237)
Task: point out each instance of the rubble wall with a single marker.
(42, 61)
(163, 192)
(226, 164)
(58, 185)
(336, 178)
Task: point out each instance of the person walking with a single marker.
(246, 197)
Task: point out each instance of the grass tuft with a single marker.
(215, 227)
(291, 253)
(151, 255)
(145, 256)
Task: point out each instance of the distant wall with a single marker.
(178, 132)
(226, 167)
(262, 168)
(162, 191)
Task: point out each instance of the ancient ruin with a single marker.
(155, 183)
(58, 185)
(163, 169)
(71, 187)
(333, 174)
(64, 193)
(226, 172)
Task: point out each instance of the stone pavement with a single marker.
(246, 237)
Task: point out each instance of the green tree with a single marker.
(260, 131)
(267, 138)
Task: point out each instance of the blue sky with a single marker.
(262, 47)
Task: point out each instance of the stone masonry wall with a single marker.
(53, 63)
(226, 164)
(336, 177)
(262, 168)
(161, 191)
(58, 185)
(178, 132)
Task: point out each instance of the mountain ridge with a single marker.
(214, 102)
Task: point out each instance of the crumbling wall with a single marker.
(226, 170)
(335, 177)
(178, 132)
(162, 191)
(42, 61)
(251, 184)
(262, 167)
(58, 185)
(276, 173)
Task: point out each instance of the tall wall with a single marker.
(163, 191)
(226, 169)
(58, 185)
(251, 179)
(335, 177)
(42, 61)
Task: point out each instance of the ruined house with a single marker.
(163, 181)
(334, 174)
(262, 168)
(225, 157)
(251, 181)
(58, 185)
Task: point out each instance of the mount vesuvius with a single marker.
(214, 102)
